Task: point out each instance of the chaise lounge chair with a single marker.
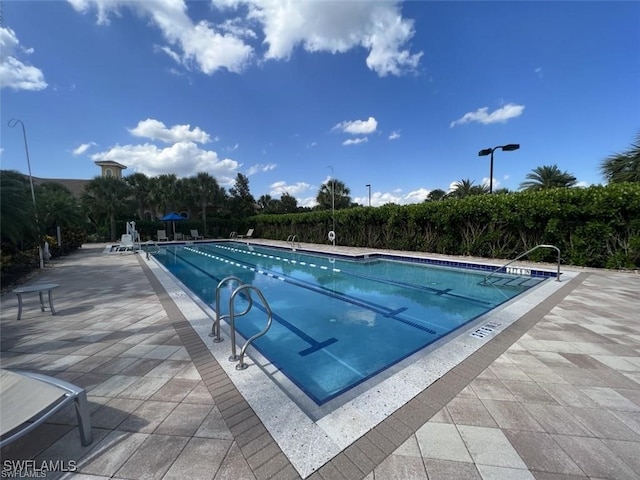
(195, 235)
(126, 243)
(162, 236)
(249, 234)
(28, 399)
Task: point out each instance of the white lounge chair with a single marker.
(162, 236)
(28, 399)
(195, 235)
(126, 243)
(249, 234)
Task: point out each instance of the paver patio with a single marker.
(556, 395)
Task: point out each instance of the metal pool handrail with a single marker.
(215, 328)
(524, 254)
(293, 239)
(241, 365)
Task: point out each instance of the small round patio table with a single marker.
(38, 288)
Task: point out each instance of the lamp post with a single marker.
(333, 205)
(489, 151)
(12, 123)
(368, 185)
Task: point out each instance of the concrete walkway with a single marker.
(555, 396)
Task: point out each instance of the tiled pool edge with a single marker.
(399, 425)
(249, 433)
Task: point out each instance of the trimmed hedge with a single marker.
(597, 226)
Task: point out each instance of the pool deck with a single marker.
(555, 395)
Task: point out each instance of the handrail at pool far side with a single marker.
(524, 254)
(292, 240)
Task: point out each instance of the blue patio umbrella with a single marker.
(173, 217)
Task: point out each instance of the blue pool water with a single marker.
(338, 322)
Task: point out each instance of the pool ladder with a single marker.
(293, 240)
(522, 255)
(244, 289)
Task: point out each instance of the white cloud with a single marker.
(203, 45)
(485, 182)
(416, 196)
(481, 115)
(315, 26)
(394, 135)
(156, 130)
(335, 27)
(182, 158)
(539, 72)
(231, 149)
(281, 187)
(355, 141)
(83, 148)
(260, 167)
(14, 73)
(357, 127)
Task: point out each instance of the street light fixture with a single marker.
(489, 151)
(368, 185)
(12, 123)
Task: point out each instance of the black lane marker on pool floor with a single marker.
(380, 309)
(315, 345)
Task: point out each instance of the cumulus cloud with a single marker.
(382, 198)
(182, 155)
(315, 26)
(83, 148)
(355, 141)
(482, 115)
(357, 127)
(14, 72)
(394, 135)
(156, 130)
(336, 27)
(206, 46)
(183, 159)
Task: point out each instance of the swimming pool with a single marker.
(337, 321)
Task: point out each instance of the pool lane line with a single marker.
(376, 308)
(314, 344)
(421, 288)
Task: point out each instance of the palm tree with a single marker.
(103, 197)
(207, 192)
(333, 194)
(623, 167)
(140, 184)
(163, 191)
(57, 207)
(435, 195)
(548, 176)
(16, 207)
(463, 188)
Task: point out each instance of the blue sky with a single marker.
(398, 95)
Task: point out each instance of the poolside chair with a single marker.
(162, 236)
(126, 243)
(178, 236)
(195, 235)
(249, 234)
(28, 399)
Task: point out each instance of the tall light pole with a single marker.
(489, 151)
(333, 205)
(368, 185)
(12, 123)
